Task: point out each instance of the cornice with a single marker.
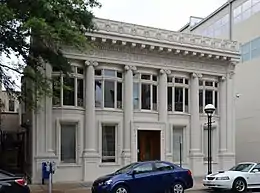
(160, 40)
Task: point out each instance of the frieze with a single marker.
(132, 30)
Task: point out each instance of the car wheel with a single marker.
(120, 189)
(239, 185)
(177, 187)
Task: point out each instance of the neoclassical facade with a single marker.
(136, 95)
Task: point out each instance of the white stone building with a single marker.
(134, 96)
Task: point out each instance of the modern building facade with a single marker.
(135, 96)
(238, 20)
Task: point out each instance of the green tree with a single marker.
(34, 31)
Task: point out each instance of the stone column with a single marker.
(223, 114)
(163, 95)
(163, 112)
(90, 152)
(90, 134)
(196, 156)
(128, 112)
(230, 113)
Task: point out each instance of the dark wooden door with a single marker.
(149, 145)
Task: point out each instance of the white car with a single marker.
(239, 178)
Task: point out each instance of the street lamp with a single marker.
(209, 110)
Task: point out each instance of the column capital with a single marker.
(165, 71)
(128, 67)
(222, 78)
(231, 74)
(196, 75)
(91, 63)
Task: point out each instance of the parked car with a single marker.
(145, 177)
(10, 183)
(239, 178)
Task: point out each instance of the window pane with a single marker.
(110, 73)
(68, 91)
(109, 94)
(160, 166)
(68, 143)
(179, 80)
(208, 97)
(144, 168)
(80, 92)
(145, 77)
(177, 139)
(186, 100)
(208, 83)
(178, 99)
(136, 95)
(98, 93)
(11, 105)
(80, 70)
(216, 102)
(108, 143)
(119, 95)
(98, 72)
(201, 101)
(154, 97)
(56, 87)
(169, 98)
(146, 96)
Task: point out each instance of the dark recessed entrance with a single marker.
(148, 145)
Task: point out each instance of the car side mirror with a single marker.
(255, 170)
(132, 173)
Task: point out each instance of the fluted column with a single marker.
(128, 112)
(223, 114)
(195, 132)
(90, 134)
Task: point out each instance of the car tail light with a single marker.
(21, 182)
(189, 172)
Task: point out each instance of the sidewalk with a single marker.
(84, 187)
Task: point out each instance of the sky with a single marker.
(166, 14)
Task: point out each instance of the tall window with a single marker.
(108, 143)
(208, 94)
(178, 94)
(68, 143)
(145, 92)
(11, 105)
(71, 88)
(108, 89)
(177, 138)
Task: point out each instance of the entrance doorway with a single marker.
(149, 145)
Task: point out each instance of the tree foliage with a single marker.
(35, 31)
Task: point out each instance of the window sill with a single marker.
(205, 115)
(109, 165)
(178, 113)
(146, 111)
(69, 108)
(109, 110)
(68, 165)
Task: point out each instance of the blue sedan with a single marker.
(145, 177)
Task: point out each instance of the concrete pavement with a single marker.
(84, 187)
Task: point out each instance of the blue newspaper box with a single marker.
(45, 173)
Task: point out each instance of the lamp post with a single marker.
(209, 110)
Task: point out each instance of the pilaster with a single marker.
(223, 114)
(128, 112)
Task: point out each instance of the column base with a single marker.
(226, 160)
(126, 157)
(196, 163)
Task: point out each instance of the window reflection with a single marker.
(136, 95)
(146, 96)
(98, 93)
(109, 94)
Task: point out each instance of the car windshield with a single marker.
(242, 167)
(126, 168)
